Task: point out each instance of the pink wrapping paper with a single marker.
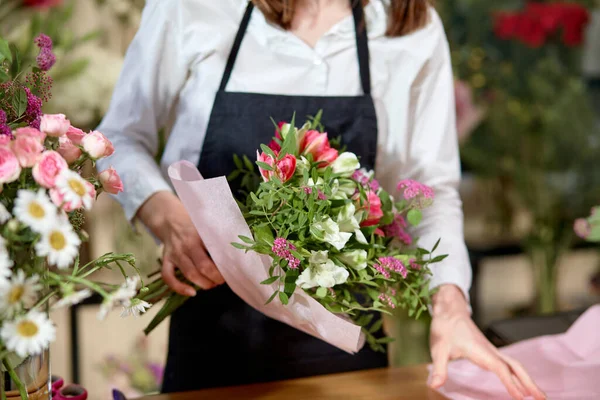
(219, 221)
(565, 366)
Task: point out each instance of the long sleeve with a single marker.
(433, 159)
(154, 71)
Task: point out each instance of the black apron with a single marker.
(216, 339)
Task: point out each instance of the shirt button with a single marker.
(317, 62)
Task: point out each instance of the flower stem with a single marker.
(15, 378)
(45, 299)
(84, 282)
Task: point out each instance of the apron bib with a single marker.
(216, 339)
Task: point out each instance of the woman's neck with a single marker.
(313, 18)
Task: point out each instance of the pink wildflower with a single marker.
(392, 264)
(282, 249)
(307, 189)
(397, 229)
(419, 195)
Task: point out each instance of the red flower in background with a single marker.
(538, 21)
(42, 3)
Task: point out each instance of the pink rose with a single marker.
(55, 125)
(28, 150)
(374, 207)
(286, 167)
(9, 166)
(31, 132)
(5, 140)
(68, 150)
(97, 145)
(75, 135)
(47, 169)
(317, 144)
(267, 159)
(110, 180)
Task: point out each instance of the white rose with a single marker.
(345, 164)
(356, 259)
(321, 272)
(328, 231)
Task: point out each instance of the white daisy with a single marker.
(72, 298)
(121, 297)
(136, 308)
(5, 261)
(35, 210)
(18, 293)
(5, 215)
(75, 190)
(28, 334)
(59, 243)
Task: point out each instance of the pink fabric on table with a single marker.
(565, 366)
(219, 221)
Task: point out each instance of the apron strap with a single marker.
(362, 46)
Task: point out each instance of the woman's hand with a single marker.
(454, 335)
(168, 220)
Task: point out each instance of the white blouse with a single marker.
(174, 65)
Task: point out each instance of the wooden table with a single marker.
(381, 384)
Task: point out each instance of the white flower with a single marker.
(302, 164)
(321, 272)
(348, 222)
(312, 183)
(74, 190)
(28, 334)
(5, 261)
(328, 231)
(356, 259)
(59, 243)
(72, 298)
(35, 210)
(342, 190)
(121, 297)
(5, 215)
(18, 293)
(136, 308)
(345, 164)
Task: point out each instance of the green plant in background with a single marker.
(540, 136)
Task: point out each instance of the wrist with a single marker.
(449, 299)
(152, 212)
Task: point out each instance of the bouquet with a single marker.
(42, 202)
(327, 229)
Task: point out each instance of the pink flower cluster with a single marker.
(365, 180)
(419, 195)
(25, 148)
(414, 265)
(46, 58)
(387, 298)
(391, 264)
(282, 249)
(283, 169)
(397, 229)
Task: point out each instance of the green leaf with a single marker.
(284, 298)
(439, 258)
(270, 280)
(3, 76)
(16, 64)
(414, 217)
(376, 326)
(322, 292)
(237, 161)
(436, 245)
(5, 51)
(268, 150)
(265, 166)
(246, 239)
(19, 102)
(248, 163)
(233, 175)
(263, 234)
(272, 297)
(239, 246)
(173, 303)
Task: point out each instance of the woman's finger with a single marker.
(168, 275)
(440, 356)
(520, 372)
(205, 265)
(491, 362)
(192, 273)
